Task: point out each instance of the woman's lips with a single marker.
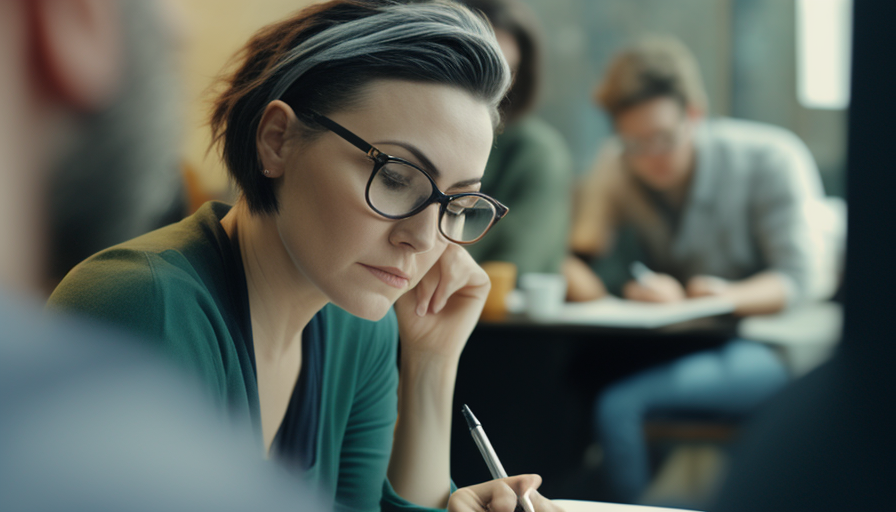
(389, 275)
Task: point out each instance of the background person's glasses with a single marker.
(659, 143)
(398, 189)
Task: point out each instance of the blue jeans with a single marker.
(730, 380)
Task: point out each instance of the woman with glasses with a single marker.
(357, 132)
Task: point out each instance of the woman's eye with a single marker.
(392, 180)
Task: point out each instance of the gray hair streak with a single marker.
(395, 29)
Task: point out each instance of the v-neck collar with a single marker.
(296, 439)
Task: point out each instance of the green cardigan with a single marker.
(183, 288)
(530, 170)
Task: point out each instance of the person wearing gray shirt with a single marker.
(753, 205)
(720, 207)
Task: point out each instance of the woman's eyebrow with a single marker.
(466, 183)
(428, 165)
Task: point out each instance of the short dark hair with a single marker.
(515, 18)
(322, 57)
(652, 67)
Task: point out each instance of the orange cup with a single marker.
(503, 277)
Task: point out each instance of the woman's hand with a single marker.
(438, 315)
(500, 496)
(435, 319)
(656, 288)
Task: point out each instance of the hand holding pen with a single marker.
(500, 496)
(504, 494)
(650, 286)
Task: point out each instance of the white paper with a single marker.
(615, 312)
(596, 506)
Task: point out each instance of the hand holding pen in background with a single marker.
(650, 286)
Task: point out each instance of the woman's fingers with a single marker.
(541, 503)
(522, 484)
(426, 288)
(457, 271)
(498, 495)
(495, 496)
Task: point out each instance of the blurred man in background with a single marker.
(89, 421)
(721, 207)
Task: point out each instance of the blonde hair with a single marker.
(652, 67)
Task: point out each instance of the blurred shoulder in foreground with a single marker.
(92, 423)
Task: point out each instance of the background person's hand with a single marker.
(500, 496)
(655, 288)
(438, 315)
(582, 284)
(706, 286)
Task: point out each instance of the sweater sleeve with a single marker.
(596, 214)
(115, 287)
(787, 223)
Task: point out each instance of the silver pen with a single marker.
(641, 273)
(488, 453)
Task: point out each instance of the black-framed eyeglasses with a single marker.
(398, 189)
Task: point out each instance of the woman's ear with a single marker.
(273, 133)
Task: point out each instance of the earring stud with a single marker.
(267, 172)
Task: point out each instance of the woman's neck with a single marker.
(281, 300)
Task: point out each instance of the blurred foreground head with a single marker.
(90, 421)
(654, 94)
(88, 132)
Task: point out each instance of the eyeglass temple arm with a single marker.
(336, 128)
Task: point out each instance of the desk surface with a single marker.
(716, 326)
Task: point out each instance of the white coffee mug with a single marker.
(545, 294)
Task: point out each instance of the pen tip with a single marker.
(472, 422)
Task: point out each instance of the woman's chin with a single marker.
(371, 307)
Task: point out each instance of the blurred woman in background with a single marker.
(530, 167)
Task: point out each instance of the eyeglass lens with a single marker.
(467, 218)
(398, 189)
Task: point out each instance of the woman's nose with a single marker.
(419, 232)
